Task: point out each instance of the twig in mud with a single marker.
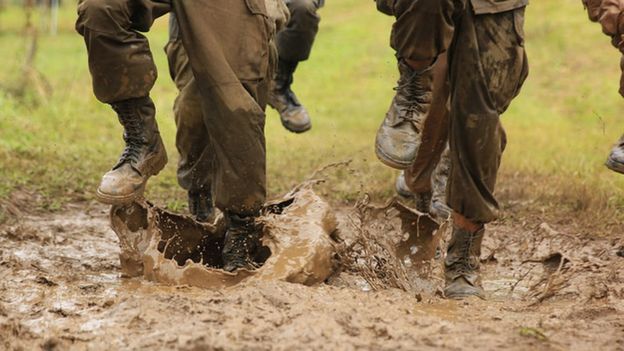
(515, 285)
(549, 288)
(372, 256)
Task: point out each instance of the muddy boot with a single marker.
(422, 200)
(143, 157)
(439, 179)
(401, 187)
(399, 135)
(462, 265)
(200, 205)
(242, 240)
(293, 115)
(615, 162)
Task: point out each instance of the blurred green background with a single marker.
(560, 129)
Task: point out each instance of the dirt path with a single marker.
(550, 288)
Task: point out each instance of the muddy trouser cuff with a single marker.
(196, 162)
(484, 82)
(120, 60)
(231, 76)
(294, 43)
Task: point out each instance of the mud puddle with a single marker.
(550, 287)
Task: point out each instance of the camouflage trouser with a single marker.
(196, 162)
(230, 64)
(487, 66)
(294, 42)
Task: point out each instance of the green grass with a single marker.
(560, 129)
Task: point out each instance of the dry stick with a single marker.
(513, 287)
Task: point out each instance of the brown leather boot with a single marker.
(293, 114)
(143, 157)
(615, 162)
(242, 240)
(462, 265)
(399, 135)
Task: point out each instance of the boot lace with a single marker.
(414, 97)
(241, 241)
(133, 134)
(464, 264)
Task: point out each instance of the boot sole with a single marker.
(388, 161)
(463, 296)
(118, 200)
(297, 130)
(127, 199)
(615, 166)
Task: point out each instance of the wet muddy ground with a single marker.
(550, 286)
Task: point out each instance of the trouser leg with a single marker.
(230, 62)
(435, 133)
(424, 29)
(488, 65)
(294, 43)
(192, 139)
(123, 73)
(120, 60)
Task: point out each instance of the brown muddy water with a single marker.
(354, 278)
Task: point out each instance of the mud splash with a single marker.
(174, 249)
(392, 246)
(554, 286)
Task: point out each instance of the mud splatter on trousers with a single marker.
(230, 63)
(487, 66)
(294, 44)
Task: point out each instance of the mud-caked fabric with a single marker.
(435, 132)
(294, 43)
(120, 60)
(424, 29)
(487, 66)
(196, 157)
(230, 64)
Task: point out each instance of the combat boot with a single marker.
(143, 157)
(615, 162)
(422, 200)
(242, 240)
(200, 205)
(293, 114)
(432, 202)
(462, 265)
(439, 178)
(399, 135)
(400, 186)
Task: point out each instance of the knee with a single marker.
(102, 15)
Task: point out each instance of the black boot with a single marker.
(293, 115)
(615, 162)
(200, 205)
(399, 135)
(462, 265)
(242, 240)
(143, 157)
